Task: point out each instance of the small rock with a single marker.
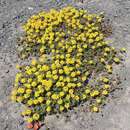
(30, 8)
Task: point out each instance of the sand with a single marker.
(114, 116)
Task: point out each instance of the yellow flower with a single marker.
(68, 79)
(48, 109)
(30, 120)
(53, 66)
(98, 100)
(61, 78)
(30, 102)
(108, 67)
(78, 72)
(36, 116)
(29, 72)
(15, 84)
(66, 70)
(105, 80)
(34, 84)
(28, 112)
(105, 54)
(76, 98)
(106, 86)
(62, 62)
(39, 87)
(99, 44)
(60, 101)
(94, 93)
(30, 80)
(54, 72)
(23, 80)
(62, 84)
(54, 96)
(72, 95)
(87, 73)
(61, 94)
(47, 83)
(28, 91)
(91, 62)
(67, 55)
(61, 71)
(41, 90)
(48, 94)
(87, 91)
(55, 77)
(105, 92)
(102, 60)
(71, 91)
(61, 108)
(97, 39)
(67, 105)
(123, 49)
(45, 68)
(58, 84)
(35, 101)
(67, 97)
(34, 62)
(26, 96)
(95, 109)
(40, 77)
(36, 94)
(23, 113)
(48, 102)
(65, 89)
(79, 84)
(107, 49)
(84, 78)
(80, 50)
(93, 47)
(39, 66)
(117, 60)
(84, 96)
(19, 99)
(34, 69)
(40, 99)
(77, 65)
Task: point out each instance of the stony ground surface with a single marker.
(115, 115)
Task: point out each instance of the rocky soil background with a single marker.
(114, 116)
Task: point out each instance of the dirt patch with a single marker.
(115, 115)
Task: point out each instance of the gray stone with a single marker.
(15, 12)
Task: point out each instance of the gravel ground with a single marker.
(115, 115)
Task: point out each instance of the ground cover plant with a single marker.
(73, 63)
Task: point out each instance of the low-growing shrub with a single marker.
(74, 65)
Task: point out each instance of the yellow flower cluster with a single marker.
(71, 47)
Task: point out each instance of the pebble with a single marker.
(30, 8)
